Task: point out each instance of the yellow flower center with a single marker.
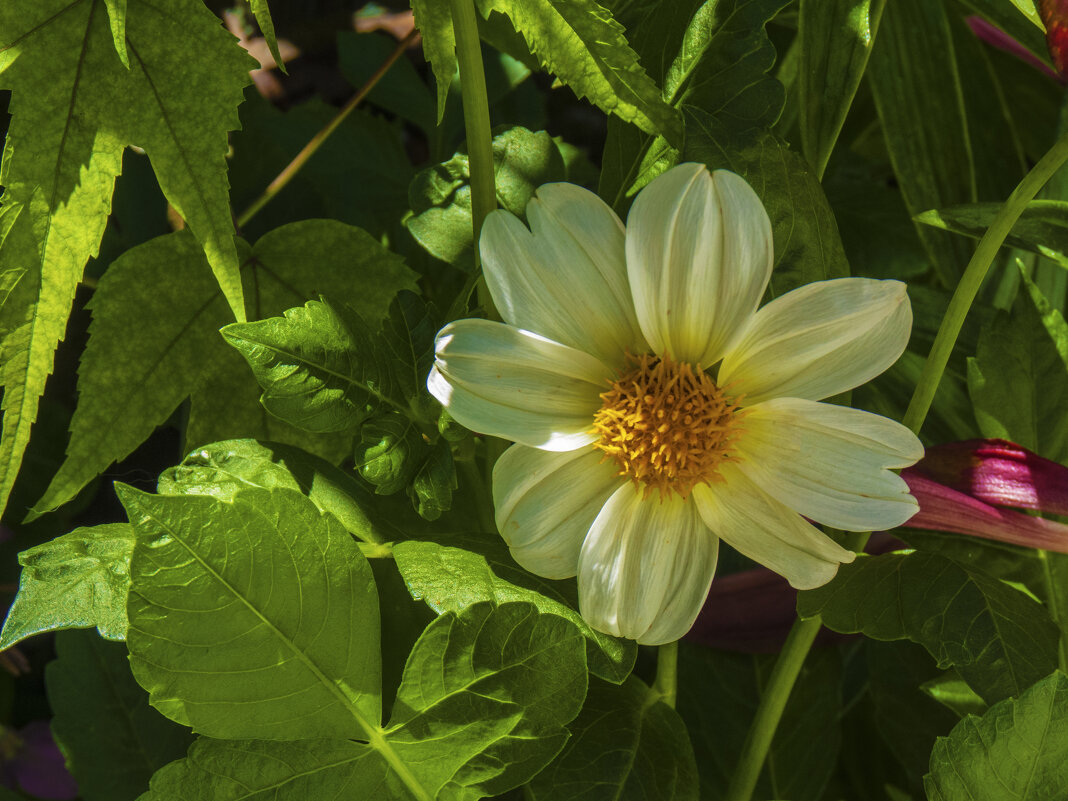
(668, 426)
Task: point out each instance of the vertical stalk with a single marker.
(803, 633)
(477, 126)
(666, 682)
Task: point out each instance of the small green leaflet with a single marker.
(112, 739)
(1015, 752)
(434, 21)
(75, 106)
(481, 709)
(625, 744)
(440, 196)
(133, 376)
(78, 580)
(1041, 229)
(1000, 640)
(263, 19)
(450, 579)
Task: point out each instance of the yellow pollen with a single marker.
(668, 426)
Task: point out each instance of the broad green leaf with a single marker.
(434, 21)
(481, 709)
(78, 580)
(440, 196)
(1018, 378)
(907, 718)
(261, 602)
(318, 366)
(113, 740)
(408, 334)
(713, 55)
(75, 106)
(1015, 752)
(1041, 229)
(263, 19)
(1000, 640)
(718, 696)
(923, 122)
(134, 373)
(627, 745)
(836, 38)
(580, 43)
(223, 469)
(807, 245)
(450, 579)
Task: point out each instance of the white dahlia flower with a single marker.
(656, 410)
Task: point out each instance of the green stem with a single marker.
(477, 125)
(803, 633)
(483, 499)
(769, 712)
(291, 169)
(1054, 604)
(974, 273)
(666, 682)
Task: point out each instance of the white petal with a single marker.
(830, 463)
(566, 278)
(645, 567)
(699, 255)
(819, 340)
(498, 380)
(766, 531)
(546, 502)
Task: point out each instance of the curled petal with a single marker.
(830, 463)
(566, 277)
(819, 340)
(645, 567)
(498, 380)
(699, 255)
(546, 502)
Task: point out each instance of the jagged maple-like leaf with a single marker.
(88, 78)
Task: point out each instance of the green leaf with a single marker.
(117, 18)
(1041, 229)
(481, 709)
(713, 55)
(1000, 640)
(835, 38)
(1015, 752)
(112, 739)
(263, 19)
(400, 91)
(74, 107)
(1027, 29)
(923, 120)
(718, 695)
(581, 43)
(432, 487)
(318, 366)
(261, 601)
(807, 245)
(134, 375)
(223, 469)
(78, 580)
(450, 579)
(1019, 377)
(434, 21)
(626, 744)
(440, 196)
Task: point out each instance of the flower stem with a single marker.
(291, 169)
(666, 682)
(803, 633)
(477, 126)
(974, 273)
(769, 712)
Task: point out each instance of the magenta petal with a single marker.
(39, 767)
(998, 472)
(996, 37)
(944, 509)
